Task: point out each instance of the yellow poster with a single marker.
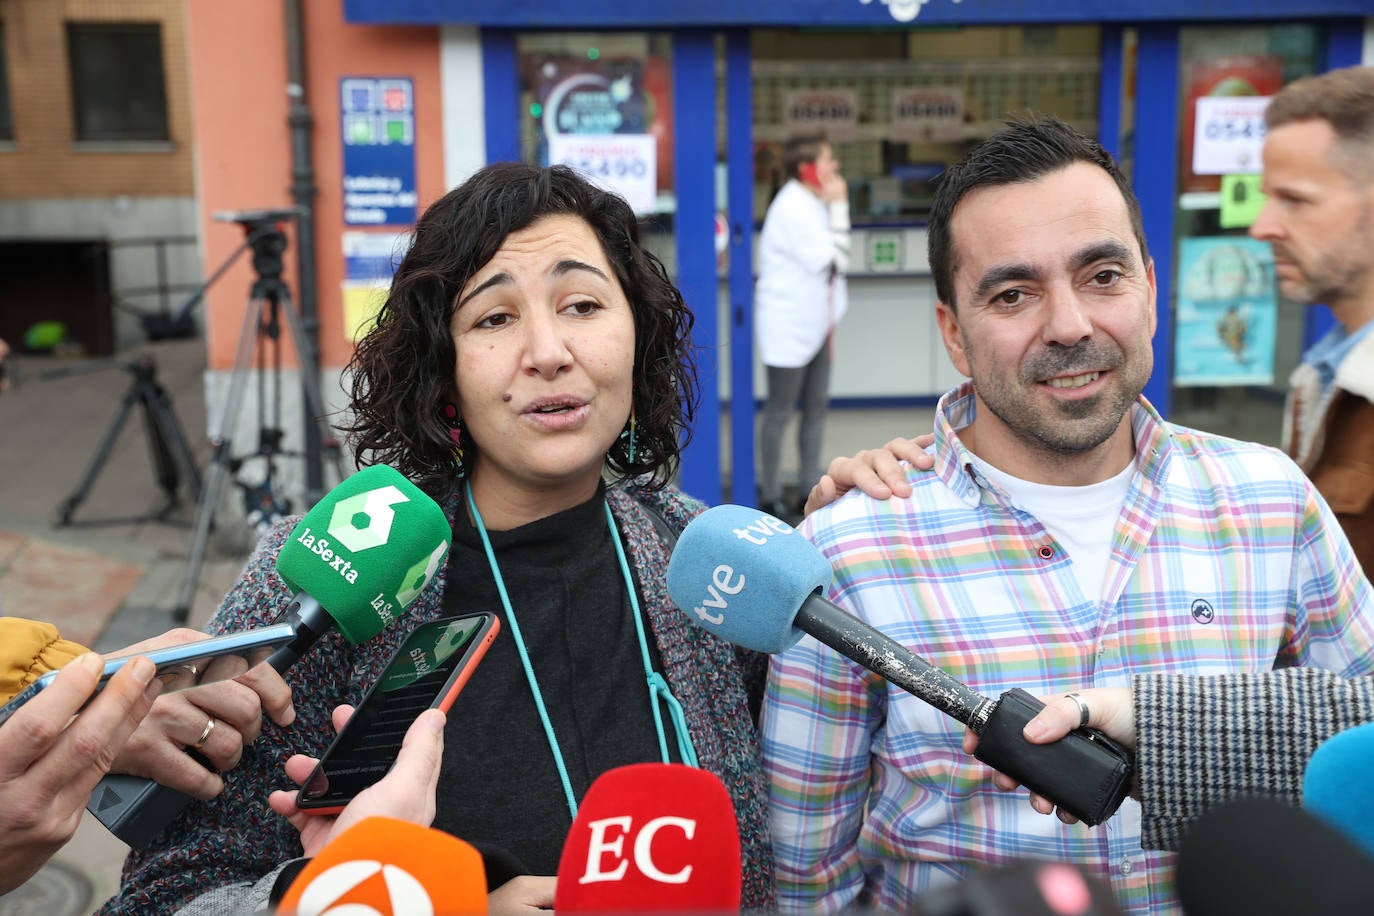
(361, 302)
(370, 258)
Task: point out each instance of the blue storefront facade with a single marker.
(681, 107)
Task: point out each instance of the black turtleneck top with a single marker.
(499, 787)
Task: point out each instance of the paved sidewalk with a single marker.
(113, 575)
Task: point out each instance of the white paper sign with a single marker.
(625, 164)
(834, 112)
(1228, 133)
(931, 114)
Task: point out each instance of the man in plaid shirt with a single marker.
(1068, 538)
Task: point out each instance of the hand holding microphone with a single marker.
(355, 562)
(217, 719)
(752, 580)
(50, 761)
(1108, 709)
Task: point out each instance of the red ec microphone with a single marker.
(652, 837)
(386, 867)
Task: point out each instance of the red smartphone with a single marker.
(427, 672)
(809, 174)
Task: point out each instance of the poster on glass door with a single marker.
(621, 163)
(610, 119)
(1224, 326)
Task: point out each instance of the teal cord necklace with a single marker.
(658, 687)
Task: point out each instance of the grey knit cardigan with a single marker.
(235, 839)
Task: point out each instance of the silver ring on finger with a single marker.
(1082, 708)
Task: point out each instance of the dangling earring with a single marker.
(627, 439)
(455, 432)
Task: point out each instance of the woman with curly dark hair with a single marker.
(532, 371)
(405, 366)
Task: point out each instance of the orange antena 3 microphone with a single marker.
(387, 867)
(652, 837)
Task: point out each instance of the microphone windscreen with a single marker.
(390, 867)
(652, 837)
(366, 550)
(1025, 888)
(743, 575)
(1336, 785)
(1261, 857)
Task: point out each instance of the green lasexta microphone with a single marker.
(359, 558)
(355, 561)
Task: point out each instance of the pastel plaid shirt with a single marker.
(1224, 559)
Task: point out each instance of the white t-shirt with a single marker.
(1081, 519)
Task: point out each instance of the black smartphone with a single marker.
(180, 666)
(427, 672)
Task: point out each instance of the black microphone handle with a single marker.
(892, 661)
(135, 809)
(1086, 773)
(311, 622)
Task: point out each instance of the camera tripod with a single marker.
(171, 455)
(269, 302)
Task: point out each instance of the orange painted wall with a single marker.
(243, 144)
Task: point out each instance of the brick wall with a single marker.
(44, 160)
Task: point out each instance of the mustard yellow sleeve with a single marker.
(29, 649)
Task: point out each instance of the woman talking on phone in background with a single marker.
(531, 370)
(800, 297)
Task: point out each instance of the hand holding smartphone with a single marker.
(427, 672)
(180, 666)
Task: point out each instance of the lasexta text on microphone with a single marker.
(355, 562)
(752, 580)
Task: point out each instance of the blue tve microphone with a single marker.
(754, 581)
(1336, 786)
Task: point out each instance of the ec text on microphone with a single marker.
(652, 838)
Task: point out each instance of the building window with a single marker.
(118, 90)
(6, 115)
